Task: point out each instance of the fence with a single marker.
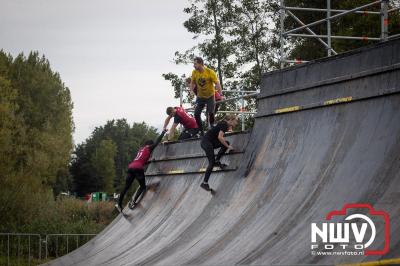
(31, 249)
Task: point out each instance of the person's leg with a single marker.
(184, 135)
(211, 110)
(128, 182)
(142, 185)
(212, 119)
(216, 108)
(221, 152)
(193, 132)
(208, 148)
(197, 114)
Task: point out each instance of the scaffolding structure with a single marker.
(326, 40)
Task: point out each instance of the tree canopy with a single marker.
(35, 133)
(100, 163)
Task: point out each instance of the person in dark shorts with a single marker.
(214, 139)
(217, 96)
(136, 170)
(204, 81)
(181, 117)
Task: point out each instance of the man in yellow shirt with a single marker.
(204, 79)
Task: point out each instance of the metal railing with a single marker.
(17, 248)
(26, 249)
(241, 112)
(56, 248)
(384, 13)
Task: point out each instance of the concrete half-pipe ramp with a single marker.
(327, 134)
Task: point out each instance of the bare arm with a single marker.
(218, 87)
(192, 86)
(167, 122)
(158, 140)
(172, 131)
(222, 139)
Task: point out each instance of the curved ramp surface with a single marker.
(327, 133)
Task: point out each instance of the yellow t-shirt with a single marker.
(205, 82)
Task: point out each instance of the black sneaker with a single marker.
(220, 165)
(132, 205)
(118, 207)
(205, 186)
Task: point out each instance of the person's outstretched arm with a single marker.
(223, 141)
(158, 140)
(192, 86)
(172, 131)
(218, 87)
(166, 122)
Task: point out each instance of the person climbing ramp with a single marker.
(181, 116)
(136, 170)
(214, 139)
(203, 81)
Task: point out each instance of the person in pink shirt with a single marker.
(181, 117)
(136, 170)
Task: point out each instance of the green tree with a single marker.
(104, 165)
(234, 39)
(35, 135)
(209, 22)
(252, 38)
(126, 139)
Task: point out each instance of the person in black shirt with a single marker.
(214, 139)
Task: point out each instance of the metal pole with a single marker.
(239, 91)
(47, 240)
(191, 109)
(394, 36)
(364, 38)
(67, 243)
(8, 249)
(363, 12)
(29, 250)
(312, 32)
(282, 25)
(239, 97)
(393, 9)
(237, 112)
(296, 61)
(384, 20)
(332, 17)
(328, 25)
(18, 248)
(40, 247)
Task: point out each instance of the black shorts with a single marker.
(210, 102)
(188, 133)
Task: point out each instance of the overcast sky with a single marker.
(110, 54)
